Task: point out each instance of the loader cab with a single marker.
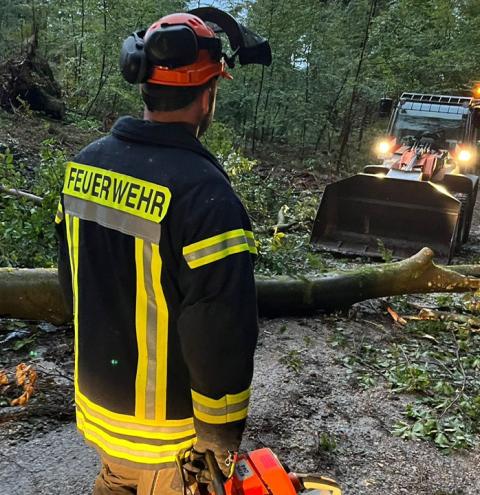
(473, 126)
(447, 119)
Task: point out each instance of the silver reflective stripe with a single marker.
(133, 437)
(220, 246)
(221, 411)
(135, 449)
(251, 243)
(131, 425)
(151, 333)
(113, 219)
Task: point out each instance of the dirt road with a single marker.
(306, 407)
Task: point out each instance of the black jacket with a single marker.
(159, 252)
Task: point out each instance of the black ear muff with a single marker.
(172, 46)
(133, 61)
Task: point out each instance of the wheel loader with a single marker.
(423, 192)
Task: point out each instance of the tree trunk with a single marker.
(363, 125)
(102, 80)
(78, 67)
(32, 294)
(35, 294)
(306, 101)
(331, 110)
(347, 124)
(257, 105)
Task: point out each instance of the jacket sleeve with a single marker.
(218, 324)
(64, 271)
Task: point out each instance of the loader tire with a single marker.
(471, 207)
(463, 218)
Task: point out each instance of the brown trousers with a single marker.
(116, 479)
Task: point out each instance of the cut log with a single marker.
(35, 294)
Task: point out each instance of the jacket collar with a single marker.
(172, 135)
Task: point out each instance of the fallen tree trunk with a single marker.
(35, 294)
(32, 294)
(415, 275)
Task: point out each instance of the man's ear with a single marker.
(205, 99)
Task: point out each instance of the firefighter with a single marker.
(156, 256)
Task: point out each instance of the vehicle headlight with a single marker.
(384, 147)
(465, 156)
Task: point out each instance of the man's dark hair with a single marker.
(160, 98)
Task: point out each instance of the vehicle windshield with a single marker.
(446, 128)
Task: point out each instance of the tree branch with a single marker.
(21, 194)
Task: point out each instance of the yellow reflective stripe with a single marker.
(222, 419)
(118, 191)
(135, 452)
(72, 228)
(162, 335)
(136, 430)
(141, 329)
(226, 400)
(231, 407)
(59, 215)
(213, 240)
(219, 255)
(128, 418)
(218, 247)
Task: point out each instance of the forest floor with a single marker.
(308, 406)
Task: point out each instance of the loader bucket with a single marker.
(405, 215)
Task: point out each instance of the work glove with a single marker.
(225, 458)
(197, 469)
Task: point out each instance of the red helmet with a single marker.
(204, 68)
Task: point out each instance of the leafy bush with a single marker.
(27, 237)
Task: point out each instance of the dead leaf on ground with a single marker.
(4, 378)
(26, 377)
(396, 317)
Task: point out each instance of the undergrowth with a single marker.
(282, 213)
(437, 365)
(27, 236)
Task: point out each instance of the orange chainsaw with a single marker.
(260, 473)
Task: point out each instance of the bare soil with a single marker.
(305, 406)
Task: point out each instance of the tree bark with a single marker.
(32, 294)
(257, 105)
(35, 294)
